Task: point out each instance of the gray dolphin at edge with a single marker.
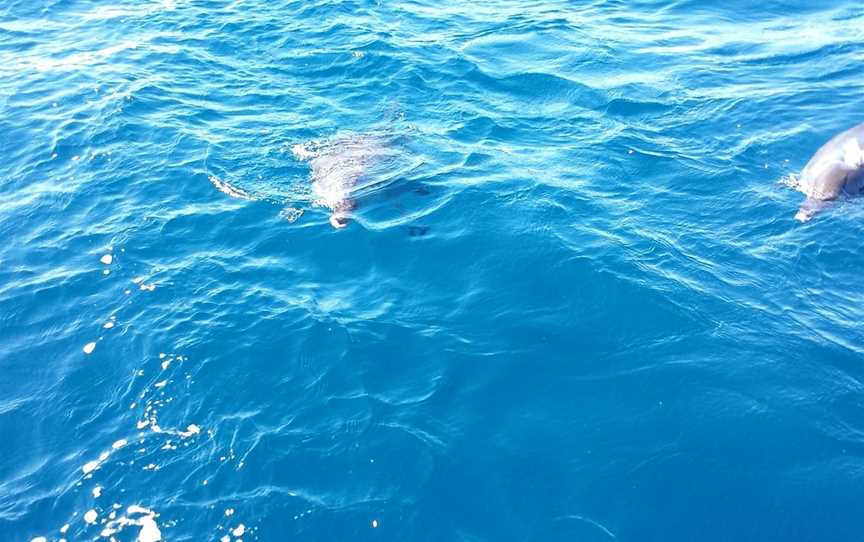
(836, 170)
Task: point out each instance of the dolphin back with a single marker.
(836, 169)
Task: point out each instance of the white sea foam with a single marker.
(149, 530)
(146, 520)
(302, 152)
(291, 214)
(191, 430)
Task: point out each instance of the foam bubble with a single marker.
(39, 539)
(191, 430)
(302, 153)
(108, 325)
(107, 259)
(149, 529)
(792, 181)
(119, 444)
(97, 492)
(91, 516)
(291, 214)
(89, 467)
(89, 347)
(239, 530)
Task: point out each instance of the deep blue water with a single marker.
(572, 303)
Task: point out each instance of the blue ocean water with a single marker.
(571, 304)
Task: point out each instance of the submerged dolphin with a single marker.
(338, 168)
(837, 169)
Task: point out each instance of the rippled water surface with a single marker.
(567, 299)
